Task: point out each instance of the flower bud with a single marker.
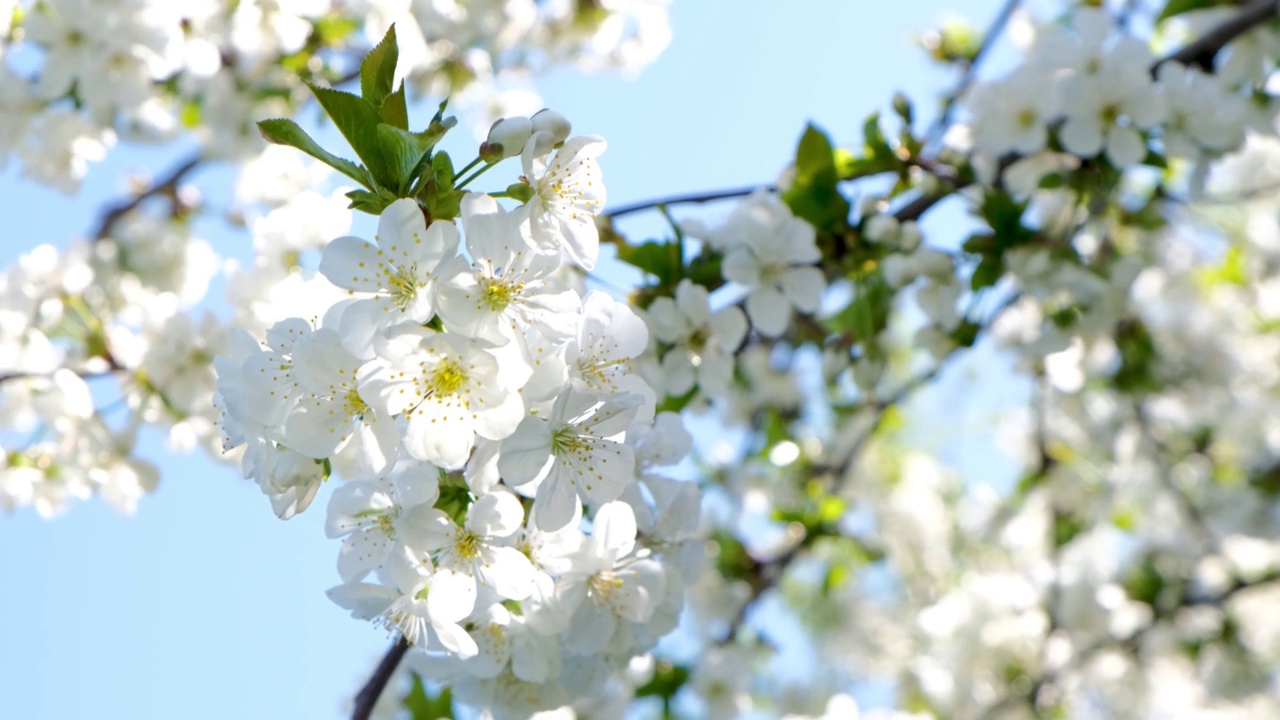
(550, 121)
(492, 152)
(510, 134)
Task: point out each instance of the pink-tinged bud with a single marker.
(550, 121)
(511, 133)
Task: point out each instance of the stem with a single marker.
(372, 690)
(468, 166)
(473, 176)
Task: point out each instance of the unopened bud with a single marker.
(492, 152)
(510, 134)
(550, 121)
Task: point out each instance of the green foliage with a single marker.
(1003, 215)
(1137, 358)
(1144, 583)
(378, 70)
(667, 680)
(455, 498)
(868, 313)
(814, 194)
(281, 131)
(397, 163)
(657, 258)
(422, 706)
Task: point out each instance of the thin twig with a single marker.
(372, 690)
(168, 184)
(687, 199)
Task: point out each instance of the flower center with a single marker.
(402, 282)
(566, 441)
(498, 294)
(354, 405)
(448, 379)
(467, 545)
(604, 584)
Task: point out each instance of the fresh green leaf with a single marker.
(666, 681)
(814, 195)
(367, 202)
(358, 122)
(439, 124)
(987, 273)
(378, 70)
(281, 131)
(394, 110)
(405, 153)
(660, 259)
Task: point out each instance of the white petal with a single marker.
(497, 515)
(526, 455)
(351, 264)
(613, 531)
(452, 596)
(510, 573)
(769, 311)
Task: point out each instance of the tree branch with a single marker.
(165, 186)
(1202, 52)
(372, 690)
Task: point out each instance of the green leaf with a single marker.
(281, 131)
(987, 273)
(358, 122)
(439, 124)
(378, 70)
(394, 111)
(876, 145)
(660, 259)
(367, 202)
(666, 681)
(1177, 7)
(422, 706)
(405, 153)
(868, 313)
(814, 195)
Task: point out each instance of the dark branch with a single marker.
(1202, 51)
(687, 199)
(372, 690)
(166, 186)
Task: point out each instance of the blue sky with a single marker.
(203, 604)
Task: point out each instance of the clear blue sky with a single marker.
(203, 604)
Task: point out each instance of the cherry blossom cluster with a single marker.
(1090, 91)
(474, 401)
(151, 70)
